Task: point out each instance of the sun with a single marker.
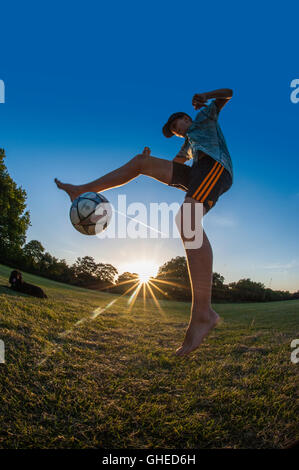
(143, 277)
(144, 269)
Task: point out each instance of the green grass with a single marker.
(114, 382)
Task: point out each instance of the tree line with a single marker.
(172, 280)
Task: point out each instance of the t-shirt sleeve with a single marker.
(185, 151)
(211, 111)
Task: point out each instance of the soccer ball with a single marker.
(90, 213)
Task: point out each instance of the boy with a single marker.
(209, 177)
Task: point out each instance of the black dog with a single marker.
(19, 285)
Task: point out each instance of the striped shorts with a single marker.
(206, 180)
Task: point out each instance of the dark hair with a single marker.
(166, 128)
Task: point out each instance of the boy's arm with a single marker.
(183, 155)
(180, 159)
(222, 96)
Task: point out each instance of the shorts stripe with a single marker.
(205, 183)
(213, 184)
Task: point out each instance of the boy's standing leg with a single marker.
(200, 266)
(203, 317)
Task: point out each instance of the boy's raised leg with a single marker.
(157, 168)
(200, 266)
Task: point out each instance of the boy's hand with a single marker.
(146, 151)
(198, 100)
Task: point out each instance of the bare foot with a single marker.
(197, 331)
(72, 190)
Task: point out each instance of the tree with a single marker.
(124, 282)
(56, 269)
(106, 272)
(90, 274)
(220, 291)
(127, 276)
(84, 269)
(248, 290)
(218, 280)
(14, 222)
(176, 276)
(176, 267)
(34, 250)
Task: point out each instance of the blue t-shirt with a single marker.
(205, 134)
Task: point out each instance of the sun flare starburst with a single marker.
(144, 282)
(144, 270)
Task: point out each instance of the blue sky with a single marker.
(88, 85)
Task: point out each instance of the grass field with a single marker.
(113, 381)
